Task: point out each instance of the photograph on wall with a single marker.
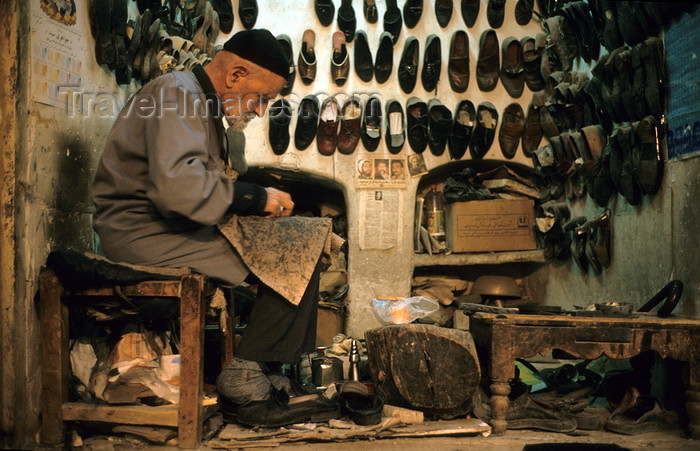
(381, 172)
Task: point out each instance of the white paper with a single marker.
(381, 219)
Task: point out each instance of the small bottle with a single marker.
(434, 214)
(354, 370)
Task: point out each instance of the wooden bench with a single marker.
(192, 410)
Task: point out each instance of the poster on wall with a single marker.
(683, 66)
(378, 172)
(57, 49)
(380, 215)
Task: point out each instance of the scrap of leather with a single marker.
(282, 252)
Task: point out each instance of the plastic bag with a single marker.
(403, 310)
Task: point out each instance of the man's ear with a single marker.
(235, 74)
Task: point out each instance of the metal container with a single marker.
(326, 370)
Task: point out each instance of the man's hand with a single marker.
(278, 203)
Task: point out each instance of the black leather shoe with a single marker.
(287, 47)
(461, 131)
(340, 59)
(417, 124)
(408, 66)
(384, 60)
(307, 57)
(363, 57)
(224, 10)
(280, 117)
(495, 13)
(273, 413)
(248, 13)
(523, 12)
(443, 12)
(470, 11)
(393, 20)
(346, 20)
(371, 131)
(395, 127)
(369, 8)
(484, 131)
(431, 63)
(307, 122)
(412, 10)
(458, 63)
(439, 124)
(325, 10)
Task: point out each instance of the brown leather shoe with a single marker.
(458, 66)
(350, 121)
(532, 59)
(512, 73)
(307, 58)
(488, 61)
(340, 59)
(327, 133)
(533, 128)
(512, 128)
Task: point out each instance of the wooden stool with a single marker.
(187, 416)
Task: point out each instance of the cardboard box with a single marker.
(490, 225)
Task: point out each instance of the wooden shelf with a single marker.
(488, 258)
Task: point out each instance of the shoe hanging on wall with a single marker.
(248, 13)
(280, 116)
(371, 130)
(432, 62)
(439, 124)
(470, 11)
(307, 122)
(325, 10)
(384, 59)
(369, 9)
(327, 133)
(443, 12)
(395, 127)
(461, 129)
(417, 124)
(346, 20)
(412, 11)
(408, 65)
(393, 20)
(286, 43)
(350, 125)
(458, 63)
(340, 59)
(307, 57)
(363, 57)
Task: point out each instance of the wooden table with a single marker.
(500, 339)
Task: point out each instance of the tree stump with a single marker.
(428, 368)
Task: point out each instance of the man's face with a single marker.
(381, 168)
(396, 168)
(250, 95)
(366, 168)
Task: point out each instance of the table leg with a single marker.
(501, 373)
(693, 406)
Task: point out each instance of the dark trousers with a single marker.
(279, 331)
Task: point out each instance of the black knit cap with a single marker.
(260, 47)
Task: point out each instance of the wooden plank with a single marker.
(488, 258)
(125, 414)
(54, 358)
(192, 361)
(164, 288)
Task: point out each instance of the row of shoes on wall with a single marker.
(425, 125)
(521, 60)
(604, 132)
(169, 37)
(165, 36)
(629, 162)
(412, 12)
(587, 241)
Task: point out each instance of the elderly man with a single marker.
(161, 188)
